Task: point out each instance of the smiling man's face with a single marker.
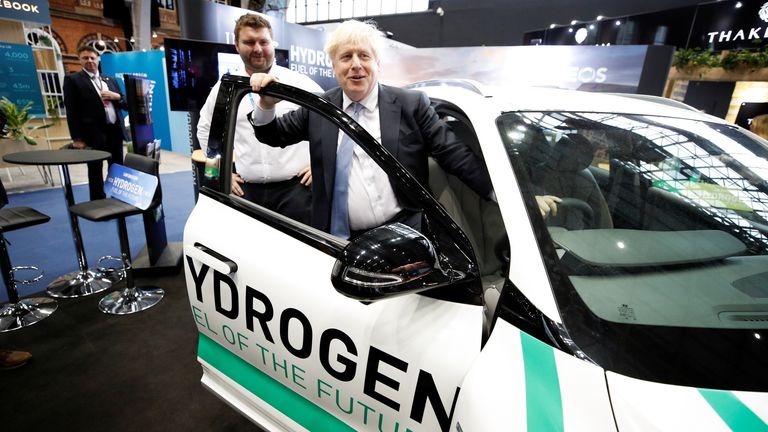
(256, 48)
(356, 69)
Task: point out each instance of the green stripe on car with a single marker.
(544, 405)
(300, 410)
(734, 413)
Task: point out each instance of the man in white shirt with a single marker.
(275, 178)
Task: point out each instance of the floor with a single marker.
(97, 372)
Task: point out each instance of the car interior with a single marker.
(480, 219)
(623, 219)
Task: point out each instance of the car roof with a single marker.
(512, 99)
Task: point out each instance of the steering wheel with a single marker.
(573, 214)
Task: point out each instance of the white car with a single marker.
(641, 305)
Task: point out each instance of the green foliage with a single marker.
(745, 59)
(688, 59)
(17, 121)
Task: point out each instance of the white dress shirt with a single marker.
(372, 201)
(99, 85)
(257, 162)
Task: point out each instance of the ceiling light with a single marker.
(738, 5)
(600, 17)
(618, 23)
(573, 22)
(552, 25)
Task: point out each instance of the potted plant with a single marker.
(17, 126)
(15, 136)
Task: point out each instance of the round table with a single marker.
(85, 281)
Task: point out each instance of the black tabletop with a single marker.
(55, 157)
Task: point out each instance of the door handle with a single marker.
(211, 258)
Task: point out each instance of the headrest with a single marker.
(571, 153)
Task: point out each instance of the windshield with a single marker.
(662, 231)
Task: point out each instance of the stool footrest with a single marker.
(114, 273)
(29, 280)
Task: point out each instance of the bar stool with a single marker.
(18, 313)
(131, 299)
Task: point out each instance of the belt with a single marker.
(274, 184)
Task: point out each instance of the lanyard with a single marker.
(97, 81)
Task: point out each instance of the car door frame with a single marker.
(220, 145)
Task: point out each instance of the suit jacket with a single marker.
(410, 130)
(86, 117)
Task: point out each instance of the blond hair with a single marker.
(355, 33)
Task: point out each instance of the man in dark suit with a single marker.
(93, 103)
(350, 192)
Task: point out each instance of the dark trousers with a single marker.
(114, 145)
(289, 198)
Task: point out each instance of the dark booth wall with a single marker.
(503, 22)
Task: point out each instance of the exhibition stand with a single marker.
(158, 256)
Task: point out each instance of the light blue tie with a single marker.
(340, 204)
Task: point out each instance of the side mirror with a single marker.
(388, 261)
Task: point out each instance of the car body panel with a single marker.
(528, 385)
(297, 354)
(646, 406)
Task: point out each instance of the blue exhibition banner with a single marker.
(150, 65)
(130, 186)
(19, 83)
(30, 10)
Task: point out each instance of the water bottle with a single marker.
(212, 167)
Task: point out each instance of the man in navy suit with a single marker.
(93, 103)
(401, 120)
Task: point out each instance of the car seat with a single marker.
(565, 174)
(479, 218)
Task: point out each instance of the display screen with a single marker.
(193, 68)
(230, 64)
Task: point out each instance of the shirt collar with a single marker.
(370, 102)
(92, 75)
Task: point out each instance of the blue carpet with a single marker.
(50, 246)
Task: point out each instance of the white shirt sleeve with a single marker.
(260, 117)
